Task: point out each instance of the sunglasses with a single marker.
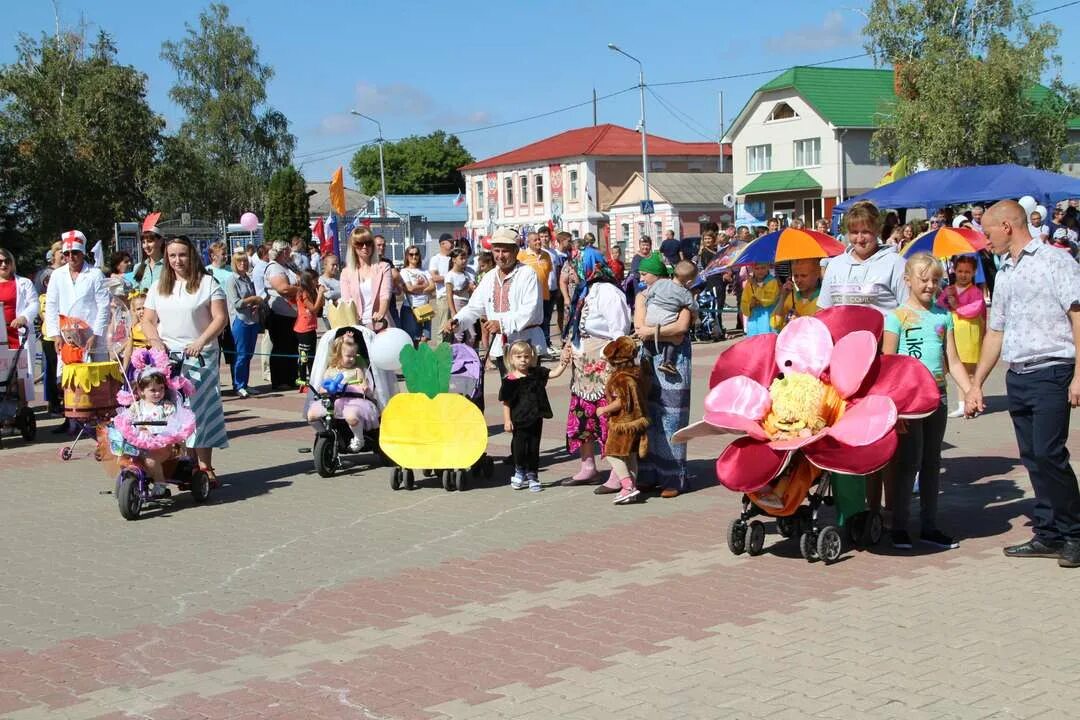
(4, 261)
(412, 254)
(363, 243)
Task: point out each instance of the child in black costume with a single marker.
(525, 405)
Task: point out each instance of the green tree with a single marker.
(286, 206)
(77, 140)
(415, 165)
(230, 139)
(968, 75)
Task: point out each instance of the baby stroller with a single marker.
(332, 449)
(802, 482)
(125, 443)
(467, 380)
(15, 413)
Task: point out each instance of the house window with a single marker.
(524, 189)
(508, 201)
(479, 200)
(658, 229)
(626, 232)
(657, 165)
(808, 152)
(573, 185)
(539, 197)
(782, 111)
(758, 158)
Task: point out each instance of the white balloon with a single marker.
(1028, 203)
(1041, 210)
(385, 349)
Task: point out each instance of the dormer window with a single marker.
(782, 111)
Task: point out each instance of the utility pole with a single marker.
(382, 168)
(594, 107)
(644, 133)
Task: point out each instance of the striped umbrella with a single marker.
(946, 242)
(789, 244)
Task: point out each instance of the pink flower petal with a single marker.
(747, 465)
(907, 382)
(804, 346)
(852, 357)
(739, 395)
(736, 423)
(752, 357)
(795, 443)
(865, 422)
(698, 429)
(834, 456)
(844, 319)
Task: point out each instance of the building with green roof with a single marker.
(803, 140)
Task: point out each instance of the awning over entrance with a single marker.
(781, 181)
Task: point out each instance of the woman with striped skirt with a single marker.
(185, 312)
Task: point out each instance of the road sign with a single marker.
(647, 207)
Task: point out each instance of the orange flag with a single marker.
(337, 191)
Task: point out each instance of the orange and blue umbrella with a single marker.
(946, 242)
(789, 244)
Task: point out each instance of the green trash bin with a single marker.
(849, 492)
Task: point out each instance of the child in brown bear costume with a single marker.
(627, 420)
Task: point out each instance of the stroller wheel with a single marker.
(829, 544)
(448, 480)
(410, 480)
(785, 526)
(807, 547)
(736, 536)
(756, 543)
(460, 479)
(396, 476)
(856, 528)
(27, 424)
(65, 453)
(875, 528)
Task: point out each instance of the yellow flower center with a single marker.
(802, 406)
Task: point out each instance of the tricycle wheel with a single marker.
(410, 480)
(736, 536)
(395, 478)
(200, 486)
(27, 424)
(326, 455)
(829, 544)
(807, 546)
(129, 496)
(459, 480)
(65, 453)
(756, 541)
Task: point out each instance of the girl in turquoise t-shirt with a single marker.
(922, 330)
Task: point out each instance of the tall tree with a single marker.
(968, 91)
(286, 211)
(78, 140)
(230, 138)
(415, 165)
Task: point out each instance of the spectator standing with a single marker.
(437, 268)
(243, 305)
(1034, 326)
(280, 278)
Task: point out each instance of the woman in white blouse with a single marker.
(185, 313)
(598, 314)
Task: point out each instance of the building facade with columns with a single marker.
(572, 178)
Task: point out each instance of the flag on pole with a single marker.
(900, 170)
(337, 191)
(319, 233)
(460, 199)
(330, 229)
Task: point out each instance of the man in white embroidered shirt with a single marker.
(509, 298)
(1035, 327)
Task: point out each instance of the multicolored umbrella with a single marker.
(789, 244)
(946, 242)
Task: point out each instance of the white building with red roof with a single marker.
(573, 177)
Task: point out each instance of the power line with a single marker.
(1056, 7)
(681, 116)
(771, 71)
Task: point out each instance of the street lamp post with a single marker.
(382, 168)
(644, 134)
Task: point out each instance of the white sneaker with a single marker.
(958, 412)
(518, 482)
(355, 445)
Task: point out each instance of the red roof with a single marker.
(599, 140)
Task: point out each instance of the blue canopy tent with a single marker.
(932, 189)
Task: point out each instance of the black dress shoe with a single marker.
(1033, 548)
(1070, 554)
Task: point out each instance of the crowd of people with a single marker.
(549, 296)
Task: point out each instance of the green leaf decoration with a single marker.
(426, 371)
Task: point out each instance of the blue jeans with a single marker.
(1039, 407)
(244, 336)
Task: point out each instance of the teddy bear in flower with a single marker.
(819, 388)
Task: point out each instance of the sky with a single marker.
(418, 66)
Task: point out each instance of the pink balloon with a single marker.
(249, 221)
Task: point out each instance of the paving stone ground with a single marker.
(294, 596)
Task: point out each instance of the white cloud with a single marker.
(338, 124)
(829, 34)
(392, 100)
(398, 100)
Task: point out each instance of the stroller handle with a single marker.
(150, 423)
